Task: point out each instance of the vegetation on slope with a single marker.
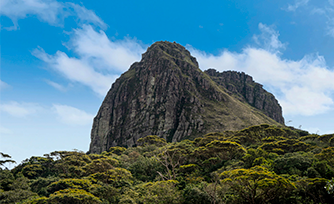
(259, 164)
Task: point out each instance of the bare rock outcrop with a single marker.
(166, 94)
(243, 87)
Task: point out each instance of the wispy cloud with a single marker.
(50, 11)
(325, 11)
(55, 85)
(72, 116)
(85, 16)
(66, 114)
(3, 85)
(77, 70)
(268, 39)
(296, 5)
(99, 61)
(20, 110)
(303, 87)
(328, 12)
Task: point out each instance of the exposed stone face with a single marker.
(166, 94)
(244, 88)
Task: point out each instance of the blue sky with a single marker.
(59, 58)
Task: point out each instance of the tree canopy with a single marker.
(259, 164)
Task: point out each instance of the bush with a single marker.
(73, 196)
(69, 183)
(196, 194)
(293, 163)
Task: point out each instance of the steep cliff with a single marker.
(242, 86)
(166, 94)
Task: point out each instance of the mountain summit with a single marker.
(166, 94)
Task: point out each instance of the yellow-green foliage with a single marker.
(252, 134)
(327, 155)
(257, 184)
(313, 188)
(260, 164)
(151, 140)
(117, 150)
(182, 149)
(309, 137)
(70, 164)
(208, 138)
(278, 151)
(273, 138)
(160, 192)
(224, 150)
(321, 141)
(97, 156)
(71, 156)
(331, 142)
(75, 160)
(35, 167)
(32, 170)
(325, 138)
(188, 167)
(116, 176)
(258, 157)
(69, 183)
(256, 134)
(107, 193)
(100, 165)
(39, 200)
(73, 196)
(288, 145)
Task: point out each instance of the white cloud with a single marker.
(99, 60)
(72, 116)
(3, 85)
(305, 101)
(66, 114)
(98, 49)
(268, 39)
(296, 5)
(303, 87)
(86, 16)
(77, 70)
(55, 85)
(50, 11)
(20, 110)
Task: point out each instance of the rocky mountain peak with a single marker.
(166, 94)
(172, 51)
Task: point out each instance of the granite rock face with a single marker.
(166, 94)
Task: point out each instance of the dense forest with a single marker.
(259, 164)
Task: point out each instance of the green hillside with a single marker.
(259, 164)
